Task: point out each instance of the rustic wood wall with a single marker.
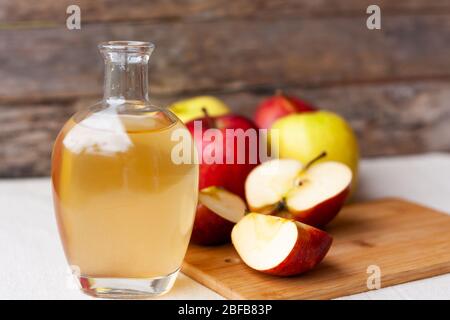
(392, 84)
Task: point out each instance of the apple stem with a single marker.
(208, 118)
(279, 92)
(311, 162)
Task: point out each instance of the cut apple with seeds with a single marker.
(312, 194)
(279, 246)
(218, 210)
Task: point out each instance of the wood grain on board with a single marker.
(405, 240)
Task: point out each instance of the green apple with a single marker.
(192, 108)
(306, 135)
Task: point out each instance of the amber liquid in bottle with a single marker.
(124, 208)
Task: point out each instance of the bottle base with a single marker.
(127, 288)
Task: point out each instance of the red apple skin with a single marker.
(210, 229)
(320, 215)
(229, 176)
(309, 250)
(279, 106)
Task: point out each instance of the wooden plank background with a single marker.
(391, 84)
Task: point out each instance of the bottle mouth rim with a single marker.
(127, 46)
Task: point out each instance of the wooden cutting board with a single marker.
(405, 240)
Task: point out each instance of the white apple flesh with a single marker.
(312, 195)
(279, 246)
(218, 210)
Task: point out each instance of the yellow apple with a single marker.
(303, 136)
(192, 108)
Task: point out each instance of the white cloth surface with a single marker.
(32, 263)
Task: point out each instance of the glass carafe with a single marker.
(124, 208)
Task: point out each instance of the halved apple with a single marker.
(218, 210)
(279, 246)
(312, 194)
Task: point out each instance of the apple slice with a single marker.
(279, 246)
(312, 194)
(218, 210)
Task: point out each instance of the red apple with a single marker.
(231, 175)
(279, 106)
(312, 193)
(218, 211)
(279, 246)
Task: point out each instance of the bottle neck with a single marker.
(126, 76)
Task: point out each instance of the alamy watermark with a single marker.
(73, 21)
(374, 278)
(72, 278)
(226, 146)
(373, 22)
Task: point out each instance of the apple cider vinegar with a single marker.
(124, 208)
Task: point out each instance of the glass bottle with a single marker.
(124, 207)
